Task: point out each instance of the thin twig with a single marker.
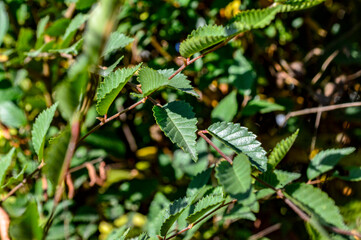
(23, 182)
(320, 109)
(201, 133)
(77, 168)
(265, 231)
(324, 67)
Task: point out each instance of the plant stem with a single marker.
(201, 133)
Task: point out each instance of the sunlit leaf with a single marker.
(226, 109)
(11, 115)
(151, 80)
(295, 5)
(179, 81)
(171, 214)
(116, 41)
(177, 121)
(40, 128)
(204, 206)
(4, 20)
(281, 149)
(240, 140)
(111, 86)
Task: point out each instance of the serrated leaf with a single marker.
(178, 82)
(277, 178)
(40, 128)
(296, 5)
(202, 38)
(11, 115)
(54, 156)
(204, 206)
(281, 149)
(236, 179)
(226, 109)
(5, 162)
(142, 236)
(252, 19)
(116, 41)
(318, 202)
(326, 160)
(198, 182)
(154, 223)
(177, 121)
(151, 80)
(172, 213)
(240, 140)
(4, 19)
(109, 89)
(108, 70)
(118, 234)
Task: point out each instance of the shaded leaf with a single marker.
(15, 178)
(178, 82)
(326, 160)
(142, 236)
(58, 28)
(318, 202)
(73, 27)
(354, 174)
(109, 89)
(151, 80)
(5, 162)
(73, 49)
(226, 109)
(202, 38)
(199, 181)
(54, 156)
(116, 41)
(4, 20)
(172, 213)
(108, 70)
(262, 106)
(281, 149)
(278, 178)
(177, 121)
(40, 128)
(236, 179)
(240, 140)
(11, 115)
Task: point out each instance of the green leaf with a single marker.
(151, 80)
(226, 110)
(318, 202)
(73, 49)
(27, 226)
(58, 28)
(5, 164)
(240, 140)
(108, 70)
(155, 221)
(199, 181)
(262, 106)
(46, 47)
(204, 206)
(54, 156)
(354, 174)
(9, 94)
(11, 115)
(40, 128)
(178, 82)
(236, 179)
(73, 27)
(202, 38)
(326, 160)
(277, 178)
(252, 19)
(177, 121)
(16, 177)
(118, 234)
(109, 89)
(296, 5)
(4, 19)
(281, 149)
(171, 214)
(116, 41)
(142, 236)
